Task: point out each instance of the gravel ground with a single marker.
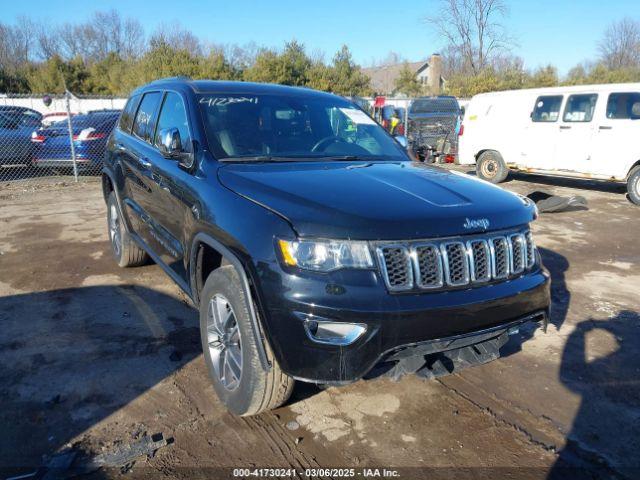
(95, 357)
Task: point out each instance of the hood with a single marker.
(376, 201)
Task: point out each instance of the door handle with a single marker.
(565, 127)
(145, 163)
(605, 127)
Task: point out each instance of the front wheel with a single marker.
(491, 167)
(231, 349)
(633, 185)
(124, 249)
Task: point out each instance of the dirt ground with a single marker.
(94, 356)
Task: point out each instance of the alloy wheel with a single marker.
(114, 230)
(223, 338)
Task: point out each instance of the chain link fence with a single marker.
(54, 136)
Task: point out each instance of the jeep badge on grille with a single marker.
(476, 223)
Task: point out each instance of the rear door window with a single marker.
(580, 107)
(623, 106)
(143, 126)
(547, 108)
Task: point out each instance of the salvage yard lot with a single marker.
(94, 356)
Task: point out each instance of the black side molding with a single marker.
(233, 260)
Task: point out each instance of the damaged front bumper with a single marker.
(437, 358)
(395, 326)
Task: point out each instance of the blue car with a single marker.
(15, 136)
(90, 134)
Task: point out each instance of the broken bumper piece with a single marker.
(446, 356)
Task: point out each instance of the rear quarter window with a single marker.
(623, 106)
(126, 117)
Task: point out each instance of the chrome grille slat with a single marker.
(427, 262)
(455, 263)
(480, 260)
(531, 256)
(451, 263)
(396, 267)
(499, 257)
(517, 253)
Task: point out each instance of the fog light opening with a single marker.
(333, 333)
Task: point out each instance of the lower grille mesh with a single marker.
(456, 265)
(500, 257)
(398, 269)
(429, 266)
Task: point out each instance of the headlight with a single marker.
(527, 201)
(325, 255)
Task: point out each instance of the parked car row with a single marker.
(28, 138)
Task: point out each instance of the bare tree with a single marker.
(472, 30)
(133, 38)
(47, 41)
(620, 44)
(176, 37)
(73, 41)
(106, 32)
(17, 43)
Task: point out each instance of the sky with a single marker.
(559, 32)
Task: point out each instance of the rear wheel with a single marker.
(231, 349)
(633, 185)
(491, 167)
(125, 250)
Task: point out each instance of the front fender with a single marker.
(232, 259)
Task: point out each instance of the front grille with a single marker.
(449, 263)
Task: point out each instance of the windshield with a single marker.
(435, 105)
(273, 127)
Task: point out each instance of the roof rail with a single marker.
(168, 79)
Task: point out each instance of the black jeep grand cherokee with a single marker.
(313, 246)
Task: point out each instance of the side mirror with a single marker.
(402, 140)
(170, 143)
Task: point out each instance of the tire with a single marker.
(252, 389)
(633, 185)
(126, 252)
(491, 167)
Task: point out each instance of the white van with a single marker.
(586, 131)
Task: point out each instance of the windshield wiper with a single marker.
(267, 158)
(301, 158)
(257, 158)
(349, 158)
